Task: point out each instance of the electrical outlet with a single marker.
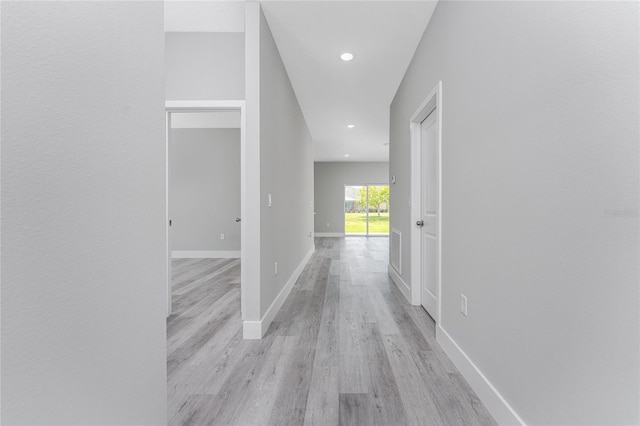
(269, 200)
(310, 234)
(222, 236)
(275, 268)
(328, 224)
(463, 304)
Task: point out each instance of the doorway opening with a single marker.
(366, 210)
(205, 202)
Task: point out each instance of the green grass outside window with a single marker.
(356, 223)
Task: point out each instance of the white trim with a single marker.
(198, 105)
(499, 408)
(431, 102)
(416, 208)
(252, 330)
(399, 282)
(248, 241)
(245, 241)
(329, 234)
(257, 329)
(182, 254)
(167, 218)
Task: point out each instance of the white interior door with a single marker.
(429, 200)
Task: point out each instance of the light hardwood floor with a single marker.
(345, 349)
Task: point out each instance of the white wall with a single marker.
(83, 223)
(279, 161)
(540, 143)
(204, 16)
(205, 189)
(330, 179)
(286, 172)
(252, 207)
(204, 66)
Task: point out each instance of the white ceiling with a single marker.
(382, 34)
(310, 35)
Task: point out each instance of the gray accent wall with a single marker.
(204, 66)
(540, 198)
(330, 179)
(205, 189)
(286, 172)
(83, 214)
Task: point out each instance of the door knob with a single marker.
(238, 219)
(420, 223)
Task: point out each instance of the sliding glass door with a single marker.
(366, 209)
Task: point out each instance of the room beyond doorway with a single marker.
(366, 210)
(200, 116)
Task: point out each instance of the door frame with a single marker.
(210, 106)
(431, 102)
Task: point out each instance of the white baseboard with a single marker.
(399, 282)
(499, 408)
(257, 329)
(252, 330)
(176, 254)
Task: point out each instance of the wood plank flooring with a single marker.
(345, 349)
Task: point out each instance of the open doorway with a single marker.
(205, 187)
(366, 210)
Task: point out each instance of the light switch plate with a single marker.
(463, 305)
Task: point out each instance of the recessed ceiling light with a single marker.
(347, 56)
(346, 155)
(351, 126)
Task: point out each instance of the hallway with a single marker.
(346, 348)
